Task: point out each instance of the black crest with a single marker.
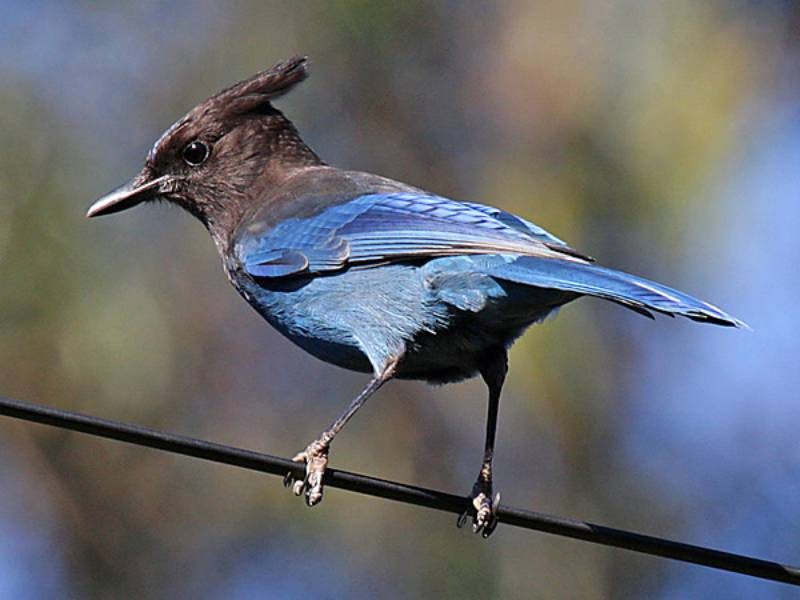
(214, 117)
(254, 94)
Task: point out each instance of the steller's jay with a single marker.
(368, 273)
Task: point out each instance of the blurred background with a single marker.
(660, 136)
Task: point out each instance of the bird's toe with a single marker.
(482, 509)
(315, 457)
(485, 519)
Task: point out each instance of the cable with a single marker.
(399, 492)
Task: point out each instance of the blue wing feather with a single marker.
(517, 223)
(278, 263)
(629, 290)
(384, 227)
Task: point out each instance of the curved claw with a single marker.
(490, 523)
(462, 518)
(315, 456)
(484, 512)
(489, 529)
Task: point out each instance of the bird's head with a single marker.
(224, 153)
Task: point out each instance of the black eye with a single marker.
(195, 153)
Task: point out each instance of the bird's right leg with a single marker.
(315, 456)
(484, 504)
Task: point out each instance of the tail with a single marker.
(630, 291)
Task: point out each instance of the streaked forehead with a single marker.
(168, 134)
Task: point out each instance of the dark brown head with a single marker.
(223, 154)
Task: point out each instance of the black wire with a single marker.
(399, 492)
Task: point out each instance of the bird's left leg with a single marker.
(484, 519)
(315, 456)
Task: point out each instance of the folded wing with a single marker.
(380, 228)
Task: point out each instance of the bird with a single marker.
(367, 273)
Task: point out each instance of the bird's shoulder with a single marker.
(312, 191)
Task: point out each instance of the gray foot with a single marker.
(483, 509)
(316, 459)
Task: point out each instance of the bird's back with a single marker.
(308, 192)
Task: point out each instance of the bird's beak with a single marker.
(136, 191)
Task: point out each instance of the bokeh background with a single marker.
(661, 136)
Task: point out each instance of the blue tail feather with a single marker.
(628, 290)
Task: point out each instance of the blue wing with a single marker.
(517, 223)
(379, 228)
